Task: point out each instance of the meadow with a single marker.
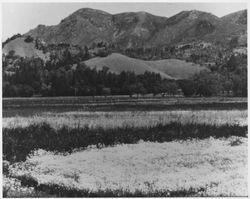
(125, 152)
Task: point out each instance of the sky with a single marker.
(21, 17)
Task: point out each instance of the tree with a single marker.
(207, 83)
(169, 87)
(187, 87)
(106, 91)
(234, 42)
(137, 88)
(156, 89)
(61, 83)
(30, 73)
(26, 91)
(239, 85)
(11, 54)
(232, 63)
(87, 55)
(227, 83)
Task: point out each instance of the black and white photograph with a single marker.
(124, 99)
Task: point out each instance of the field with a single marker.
(125, 147)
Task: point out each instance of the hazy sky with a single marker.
(21, 17)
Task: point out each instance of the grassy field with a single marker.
(129, 119)
(33, 106)
(125, 152)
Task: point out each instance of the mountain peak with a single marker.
(193, 14)
(194, 11)
(188, 16)
(197, 13)
(142, 13)
(88, 13)
(90, 10)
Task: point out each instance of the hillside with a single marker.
(82, 28)
(168, 68)
(136, 29)
(176, 68)
(24, 49)
(196, 25)
(239, 17)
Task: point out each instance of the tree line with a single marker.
(31, 76)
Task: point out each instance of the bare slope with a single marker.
(168, 68)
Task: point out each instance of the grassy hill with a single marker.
(24, 49)
(167, 68)
(176, 68)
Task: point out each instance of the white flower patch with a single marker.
(210, 164)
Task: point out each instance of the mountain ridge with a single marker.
(135, 29)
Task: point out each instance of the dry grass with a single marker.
(132, 119)
(210, 165)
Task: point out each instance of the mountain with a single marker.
(187, 25)
(195, 25)
(167, 68)
(80, 28)
(239, 17)
(193, 35)
(137, 29)
(86, 26)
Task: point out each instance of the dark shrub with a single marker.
(29, 39)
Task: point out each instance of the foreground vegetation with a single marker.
(208, 167)
(65, 132)
(19, 142)
(125, 153)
